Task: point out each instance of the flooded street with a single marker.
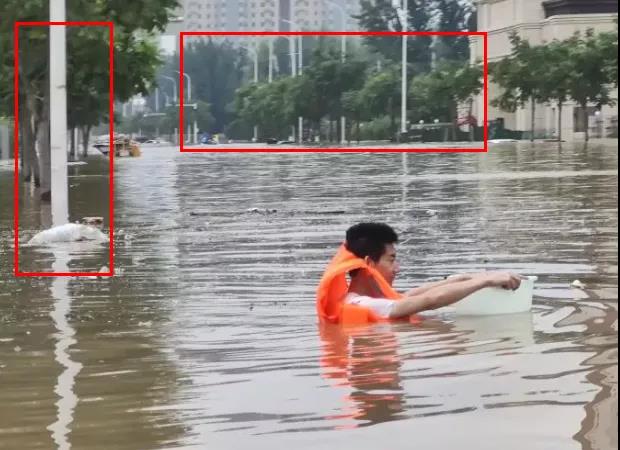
(207, 338)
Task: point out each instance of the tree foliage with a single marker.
(366, 95)
(437, 95)
(583, 68)
(423, 15)
(135, 56)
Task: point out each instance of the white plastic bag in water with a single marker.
(70, 232)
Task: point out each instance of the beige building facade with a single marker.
(542, 21)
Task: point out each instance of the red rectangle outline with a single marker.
(485, 65)
(16, 26)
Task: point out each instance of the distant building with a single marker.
(268, 15)
(542, 21)
(332, 17)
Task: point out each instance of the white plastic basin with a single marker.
(493, 301)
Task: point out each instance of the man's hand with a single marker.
(503, 280)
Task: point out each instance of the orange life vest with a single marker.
(333, 288)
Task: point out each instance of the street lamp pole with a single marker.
(194, 137)
(174, 88)
(254, 52)
(189, 99)
(270, 60)
(405, 21)
(343, 57)
(189, 85)
(343, 24)
(300, 120)
(255, 61)
(58, 115)
(300, 54)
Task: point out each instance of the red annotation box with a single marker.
(231, 149)
(16, 49)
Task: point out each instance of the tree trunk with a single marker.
(30, 159)
(30, 150)
(471, 125)
(392, 119)
(533, 119)
(331, 130)
(20, 139)
(73, 146)
(338, 130)
(584, 111)
(560, 105)
(85, 140)
(359, 130)
(43, 147)
(454, 117)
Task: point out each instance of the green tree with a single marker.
(555, 85)
(438, 94)
(608, 48)
(453, 15)
(381, 95)
(382, 15)
(519, 76)
(135, 61)
(356, 109)
(267, 105)
(591, 79)
(216, 69)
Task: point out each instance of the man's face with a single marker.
(387, 264)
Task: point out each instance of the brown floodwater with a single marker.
(208, 338)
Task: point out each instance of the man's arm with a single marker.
(428, 286)
(449, 293)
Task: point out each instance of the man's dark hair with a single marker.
(370, 239)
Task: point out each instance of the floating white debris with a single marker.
(578, 284)
(70, 232)
(92, 221)
(502, 141)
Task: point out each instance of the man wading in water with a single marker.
(368, 256)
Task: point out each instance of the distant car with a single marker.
(207, 140)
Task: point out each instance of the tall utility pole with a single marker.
(343, 57)
(175, 94)
(297, 70)
(270, 76)
(254, 51)
(58, 114)
(403, 113)
(193, 136)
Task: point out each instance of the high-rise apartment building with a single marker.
(333, 14)
(269, 15)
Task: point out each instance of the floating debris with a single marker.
(70, 232)
(578, 284)
(261, 211)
